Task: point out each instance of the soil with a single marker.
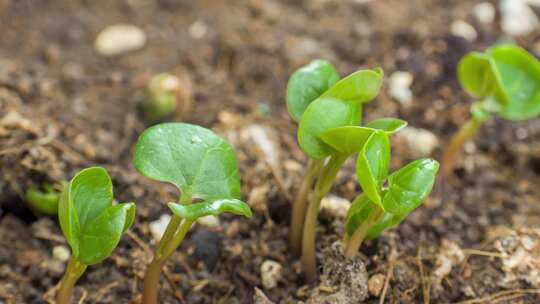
(63, 107)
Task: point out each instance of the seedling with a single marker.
(506, 81)
(203, 167)
(165, 95)
(322, 103)
(91, 224)
(378, 207)
(43, 201)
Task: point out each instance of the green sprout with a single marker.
(165, 95)
(203, 167)
(91, 224)
(506, 81)
(380, 207)
(322, 104)
(43, 201)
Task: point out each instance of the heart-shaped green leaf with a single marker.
(388, 125)
(87, 216)
(101, 236)
(518, 77)
(372, 165)
(197, 210)
(409, 186)
(348, 139)
(359, 87)
(197, 161)
(321, 115)
(307, 84)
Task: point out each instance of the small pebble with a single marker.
(336, 206)
(484, 12)
(271, 273)
(421, 142)
(517, 17)
(61, 253)
(198, 29)
(462, 29)
(119, 39)
(157, 228)
(210, 221)
(400, 87)
(376, 284)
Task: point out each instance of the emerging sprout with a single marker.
(203, 167)
(91, 224)
(380, 207)
(167, 94)
(506, 81)
(43, 201)
(323, 105)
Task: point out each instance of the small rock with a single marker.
(265, 140)
(462, 29)
(517, 18)
(484, 12)
(400, 87)
(271, 273)
(421, 142)
(157, 228)
(198, 29)
(376, 284)
(208, 247)
(210, 221)
(61, 253)
(119, 39)
(336, 206)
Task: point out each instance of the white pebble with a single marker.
(462, 29)
(484, 12)
(336, 206)
(517, 18)
(271, 273)
(421, 142)
(400, 87)
(61, 253)
(264, 139)
(119, 39)
(157, 228)
(198, 29)
(210, 221)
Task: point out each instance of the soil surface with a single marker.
(64, 107)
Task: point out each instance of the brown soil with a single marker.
(63, 107)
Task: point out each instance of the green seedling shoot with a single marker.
(320, 102)
(91, 224)
(506, 82)
(386, 199)
(164, 96)
(43, 201)
(203, 167)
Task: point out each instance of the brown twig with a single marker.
(504, 293)
(389, 273)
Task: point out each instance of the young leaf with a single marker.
(372, 165)
(388, 221)
(101, 236)
(388, 125)
(197, 210)
(90, 223)
(475, 75)
(321, 115)
(43, 202)
(359, 87)
(307, 84)
(348, 139)
(194, 159)
(358, 213)
(409, 186)
(518, 77)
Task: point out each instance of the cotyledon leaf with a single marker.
(388, 125)
(359, 87)
(347, 139)
(200, 163)
(372, 165)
